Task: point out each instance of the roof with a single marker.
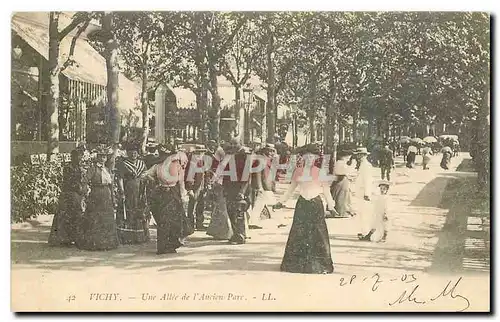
(90, 66)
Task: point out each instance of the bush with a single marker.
(35, 189)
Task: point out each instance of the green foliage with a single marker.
(35, 189)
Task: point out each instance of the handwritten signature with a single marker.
(448, 292)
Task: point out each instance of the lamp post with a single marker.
(247, 101)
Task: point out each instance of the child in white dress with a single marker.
(378, 231)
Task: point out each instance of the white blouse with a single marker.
(309, 189)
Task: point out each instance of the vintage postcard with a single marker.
(250, 161)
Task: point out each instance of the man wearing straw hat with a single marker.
(363, 190)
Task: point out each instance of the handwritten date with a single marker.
(376, 280)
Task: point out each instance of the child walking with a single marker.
(378, 231)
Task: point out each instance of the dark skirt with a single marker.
(170, 216)
(220, 225)
(134, 227)
(66, 223)
(445, 161)
(308, 246)
(98, 223)
(410, 160)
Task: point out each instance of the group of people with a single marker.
(102, 206)
(427, 153)
(308, 246)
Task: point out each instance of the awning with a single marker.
(90, 66)
(186, 99)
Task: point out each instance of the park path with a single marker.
(415, 226)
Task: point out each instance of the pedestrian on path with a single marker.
(235, 192)
(220, 225)
(264, 185)
(341, 191)
(133, 227)
(446, 159)
(194, 185)
(363, 191)
(308, 246)
(378, 231)
(168, 199)
(98, 225)
(386, 162)
(65, 228)
(411, 155)
(426, 156)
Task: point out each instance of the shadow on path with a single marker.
(464, 241)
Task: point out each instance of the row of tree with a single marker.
(392, 69)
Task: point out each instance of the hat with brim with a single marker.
(200, 148)
(103, 150)
(269, 147)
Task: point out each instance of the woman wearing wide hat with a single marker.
(98, 224)
(132, 224)
(167, 202)
(308, 246)
(426, 156)
(65, 225)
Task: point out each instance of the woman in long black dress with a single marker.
(98, 224)
(133, 228)
(65, 226)
(308, 246)
(167, 203)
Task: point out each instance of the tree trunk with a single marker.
(111, 55)
(355, 120)
(144, 105)
(295, 131)
(215, 135)
(240, 107)
(202, 98)
(312, 125)
(271, 91)
(331, 126)
(341, 133)
(212, 61)
(311, 111)
(53, 99)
